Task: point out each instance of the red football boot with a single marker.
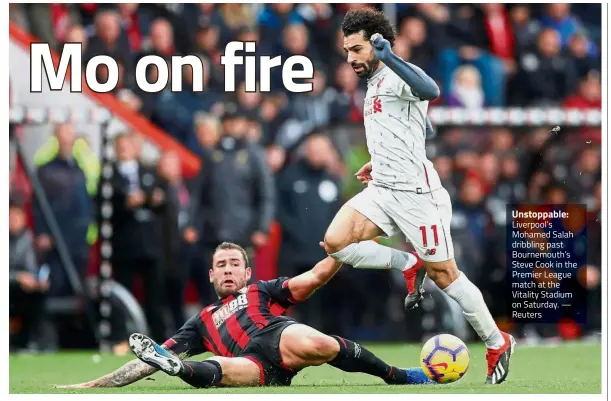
(414, 277)
(498, 360)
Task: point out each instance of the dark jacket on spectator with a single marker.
(308, 199)
(135, 231)
(64, 184)
(235, 192)
(172, 220)
(544, 79)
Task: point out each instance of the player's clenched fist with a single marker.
(381, 46)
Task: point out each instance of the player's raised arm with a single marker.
(304, 285)
(422, 85)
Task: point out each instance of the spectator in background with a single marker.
(109, 40)
(50, 22)
(585, 173)
(555, 194)
(322, 107)
(207, 45)
(470, 43)
(467, 89)
(161, 39)
(558, 17)
(207, 131)
(235, 192)
(77, 34)
(546, 76)
(175, 110)
(27, 287)
(510, 187)
(472, 225)
(174, 219)
(525, 29)
(589, 95)
(136, 239)
(273, 20)
(444, 166)
(347, 83)
(65, 186)
(130, 22)
(321, 21)
(422, 51)
(308, 198)
(501, 141)
(584, 53)
(233, 18)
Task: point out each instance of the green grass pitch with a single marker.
(569, 368)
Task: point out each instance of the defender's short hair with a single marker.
(231, 245)
(369, 21)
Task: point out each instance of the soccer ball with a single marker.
(445, 358)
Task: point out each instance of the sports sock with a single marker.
(470, 299)
(353, 357)
(201, 374)
(371, 255)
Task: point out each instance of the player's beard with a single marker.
(369, 67)
(223, 292)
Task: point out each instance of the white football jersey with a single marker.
(395, 124)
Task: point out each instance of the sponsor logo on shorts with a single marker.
(431, 252)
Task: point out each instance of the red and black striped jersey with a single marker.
(227, 327)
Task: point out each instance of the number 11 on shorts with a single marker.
(435, 237)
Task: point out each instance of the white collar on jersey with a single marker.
(377, 73)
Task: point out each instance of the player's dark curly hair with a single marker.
(369, 21)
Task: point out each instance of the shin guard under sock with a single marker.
(201, 374)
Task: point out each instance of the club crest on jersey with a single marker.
(373, 106)
(224, 312)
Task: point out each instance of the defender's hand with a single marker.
(381, 46)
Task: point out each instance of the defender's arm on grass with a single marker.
(127, 374)
(421, 84)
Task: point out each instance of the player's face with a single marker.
(360, 55)
(229, 272)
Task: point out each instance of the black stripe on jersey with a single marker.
(409, 110)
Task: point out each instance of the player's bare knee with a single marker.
(334, 243)
(321, 348)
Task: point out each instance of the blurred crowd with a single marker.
(289, 158)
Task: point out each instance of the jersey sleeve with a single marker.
(403, 90)
(279, 291)
(188, 340)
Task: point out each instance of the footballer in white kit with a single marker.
(404, 193)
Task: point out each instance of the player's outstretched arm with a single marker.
(129, 373)
(304, 285)
(422, 85)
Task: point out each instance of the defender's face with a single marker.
(229, 272)
(360, 55)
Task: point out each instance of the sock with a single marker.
(371, 255)
(470, 299)
(201, 374)
(353, 357)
